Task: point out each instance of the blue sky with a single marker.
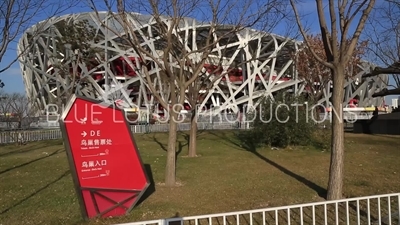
(13, 79)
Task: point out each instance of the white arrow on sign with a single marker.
(84, 134)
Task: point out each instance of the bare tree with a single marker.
(384, 34)
(200, 81)
(316, 75)
(339, 45)
(23, 110)
(172, 61)
(5, 110)
(16, 16)
(18, 112)
(74, 53)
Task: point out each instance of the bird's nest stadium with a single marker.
(246, 84)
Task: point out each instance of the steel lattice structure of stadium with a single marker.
(43, 84)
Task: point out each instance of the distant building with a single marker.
(395, 103)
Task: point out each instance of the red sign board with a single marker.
(107, 169)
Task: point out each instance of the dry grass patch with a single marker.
(37, 187)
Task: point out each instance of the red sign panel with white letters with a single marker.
(107, 169)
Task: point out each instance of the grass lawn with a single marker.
(36, 186)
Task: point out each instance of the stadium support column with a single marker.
(69, 58)
(245, 74)
(295, 75)
(106, 75)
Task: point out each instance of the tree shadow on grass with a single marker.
(152, 187)
(245, 142)
(386, 136)
(35, 192)
(26, 149)
(32, 161)
(180, 145)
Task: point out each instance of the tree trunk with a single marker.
(193, 135)
(335, 183)
(170, 174)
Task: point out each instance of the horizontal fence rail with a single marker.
(21, 136)
(371, 210)
(50, 130)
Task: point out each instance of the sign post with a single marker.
(105, 164)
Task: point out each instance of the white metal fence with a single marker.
(7, 137)
(370, 210)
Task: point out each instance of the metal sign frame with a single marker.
(93, 191)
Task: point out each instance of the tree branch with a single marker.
(304, 35)
(386, 92)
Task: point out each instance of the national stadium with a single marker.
(114, 66)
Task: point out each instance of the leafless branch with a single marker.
(384, 34)
(180, 64)
(16, 16)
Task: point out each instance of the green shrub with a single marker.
(322, 139)
(282, 121)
